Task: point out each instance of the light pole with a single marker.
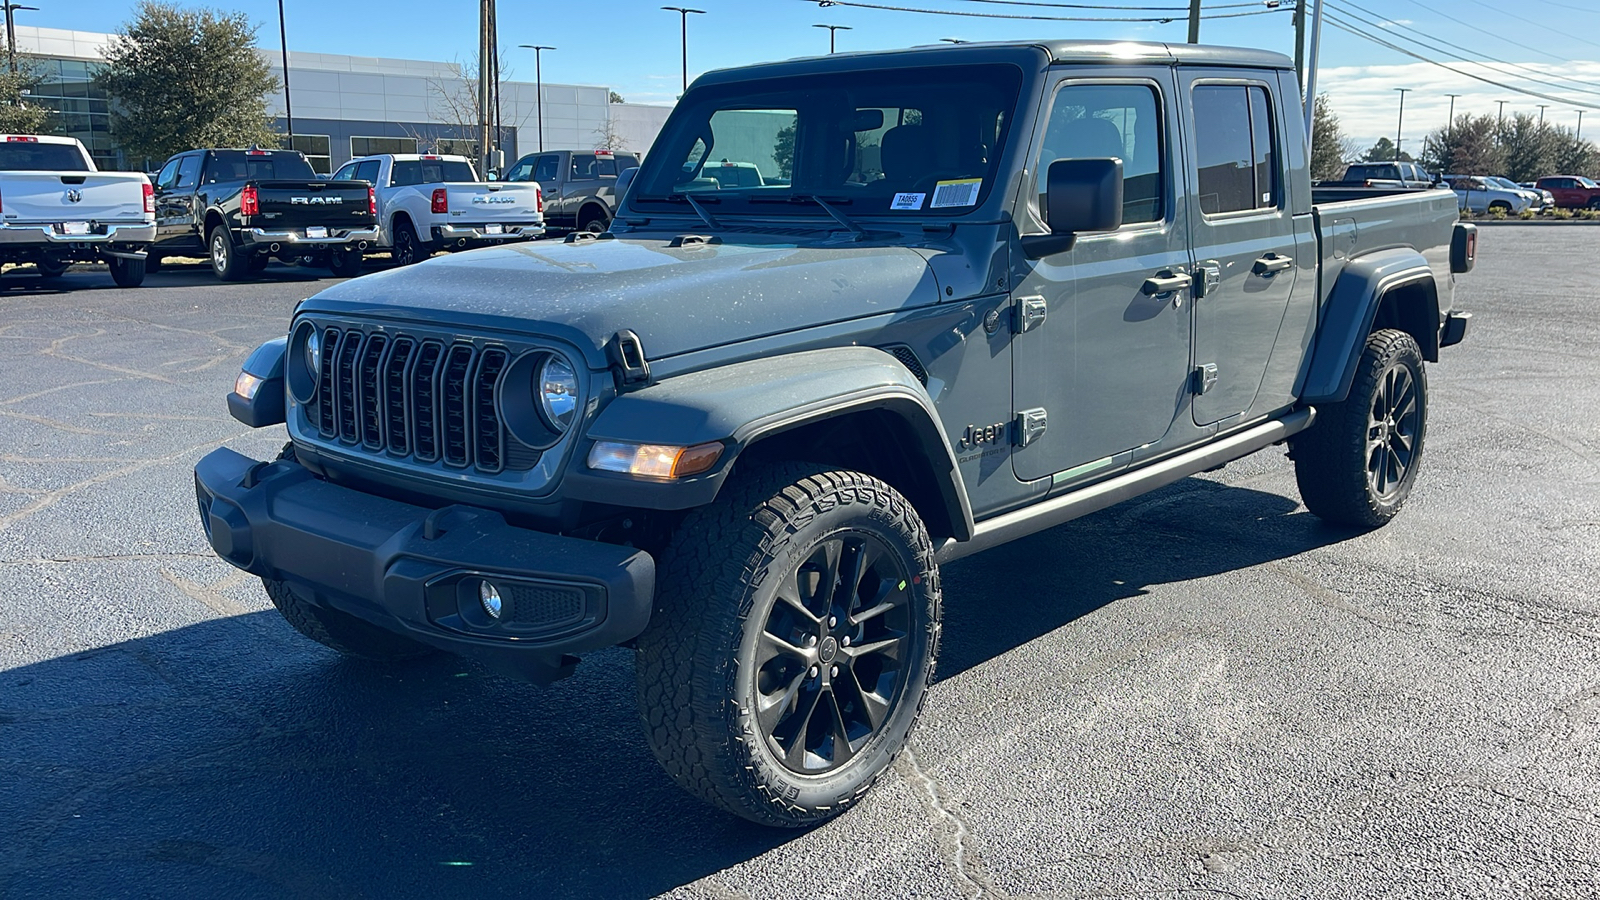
(1542, 108)
(1579, 135)
(685, 12)
(11, 32)
(1400, 123)
(1450, 123)
(288, 109)
(831, 30)
(538, 86)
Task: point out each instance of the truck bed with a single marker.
(1355, 221)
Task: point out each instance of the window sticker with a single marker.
(908, 201)
(961, 192)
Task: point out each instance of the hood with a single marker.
(676, 299)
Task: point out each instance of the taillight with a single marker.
(149, 198)
(441, 200)
(249, 201)
(372, 201)
(538, 197)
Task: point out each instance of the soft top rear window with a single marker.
(41, 157)
(890, 142)
(258, 165)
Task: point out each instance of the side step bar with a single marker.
(1050, 513)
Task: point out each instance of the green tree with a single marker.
(19, 113)
(180, 79)
(783, 151)
(1529, 146)
(616, 98)
(1469, 146)
(1383, 151)
(1572, 155)
(1329, 146)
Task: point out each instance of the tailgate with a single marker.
(297, 204)
(54, 197)
(492, 201)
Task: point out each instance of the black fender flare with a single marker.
(1348, 315)
(747, 402)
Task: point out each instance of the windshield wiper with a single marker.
(698, 208)
(828, 207)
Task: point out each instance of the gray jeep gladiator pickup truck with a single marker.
(980, 290)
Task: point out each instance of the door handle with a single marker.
(1166, 282)
(1272, 264)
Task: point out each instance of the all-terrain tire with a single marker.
(1357, 464)
(702, 681)
(344, 633)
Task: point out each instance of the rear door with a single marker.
(1105, 356)
(1242, 234)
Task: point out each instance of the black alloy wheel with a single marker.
(407, 248)
(830, 660)
(1394, 426)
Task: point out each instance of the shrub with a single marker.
(1526, 214)
(1560, 213)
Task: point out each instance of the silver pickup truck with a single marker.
(977, 291)
(57, 208)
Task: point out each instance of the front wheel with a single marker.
(128, 273)
(1358, 463)
(793, 639)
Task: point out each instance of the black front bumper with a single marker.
(416, 571)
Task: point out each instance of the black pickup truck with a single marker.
(241, 208)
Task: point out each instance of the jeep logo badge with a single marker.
(74, 195)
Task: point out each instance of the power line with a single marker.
(1334, 21)
(1532, 24)
(1502, 37)
(1099, 6)
(983, 15)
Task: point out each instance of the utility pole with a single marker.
(11, 32)
(488, 87)
(685, 12)
(1311, 78)
(831, 30)
(1194, 21)
(1542, 108)
(1579, 135)
(1450, 124)
(538, 86)
(283, 39)
(1398, 125)
(1300, 43)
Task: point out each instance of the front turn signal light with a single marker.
(247, 385)
(653, 460)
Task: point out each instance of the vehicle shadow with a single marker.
(233, 757)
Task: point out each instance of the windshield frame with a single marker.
(792, 201)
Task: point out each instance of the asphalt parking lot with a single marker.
(1204, 691)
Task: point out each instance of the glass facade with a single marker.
(82, 110)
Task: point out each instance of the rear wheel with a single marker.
(1358, 463)
(1501, 206)
(226, 260)
(594, 220)
(344, 633)
(793, 639)
(345, 263)
(408, 248)
(128, 273)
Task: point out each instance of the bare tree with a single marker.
(608, 135)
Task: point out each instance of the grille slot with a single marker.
(543, 606)
(416, 397)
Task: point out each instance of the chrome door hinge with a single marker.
(1204, 378)
(1031, 312)
(1210, 273)
(1031, 424)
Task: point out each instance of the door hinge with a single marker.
(1204, 379)
(1031, 312)
(1210, 273)
(1031, 424)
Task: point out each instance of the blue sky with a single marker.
(633, 45)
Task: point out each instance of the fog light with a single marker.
(489, 596)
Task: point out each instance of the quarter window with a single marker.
(1096, 121)
(1236, 146)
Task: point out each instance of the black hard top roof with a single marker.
(1021, 52)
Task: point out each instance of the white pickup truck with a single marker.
(56, 209)
(428, 202)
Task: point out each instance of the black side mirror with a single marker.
(1081, 195)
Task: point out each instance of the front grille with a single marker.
(429, 399)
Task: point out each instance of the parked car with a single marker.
(1538, 199)
(59, 209)
(1478, 195)
(428, 202)
(1571, 191)
(743, 431)
(1385, 174)
(579, 185)
(243, 208)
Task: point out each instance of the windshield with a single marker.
(895, 142)
(26, 156)
(1586, 182)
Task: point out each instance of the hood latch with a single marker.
(628, 363)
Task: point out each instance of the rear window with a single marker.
(431, 171)
(29, 157)
(258, 165)
(1387, 172)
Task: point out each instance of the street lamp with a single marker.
(1542, 108)
(1450, 123)
(685, 12)
(1400, 122)
(1579, 135)
(831, 30)
(538, 85)
(283, 40)
(11, 32)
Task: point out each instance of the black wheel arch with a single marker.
(1389, 289)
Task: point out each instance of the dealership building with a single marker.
(347, 106)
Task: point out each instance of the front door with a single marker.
(175, 204)
(1101, 347)
(1242, 234)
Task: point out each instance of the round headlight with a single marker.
(558, 392)
(314, 351)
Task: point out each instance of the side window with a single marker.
(405, 173)
(1236, 147)
(169, 175)
(345, 174)
(368, 171)
(188, 172)
(547, 168)
(1092, 121)
(583, 167)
